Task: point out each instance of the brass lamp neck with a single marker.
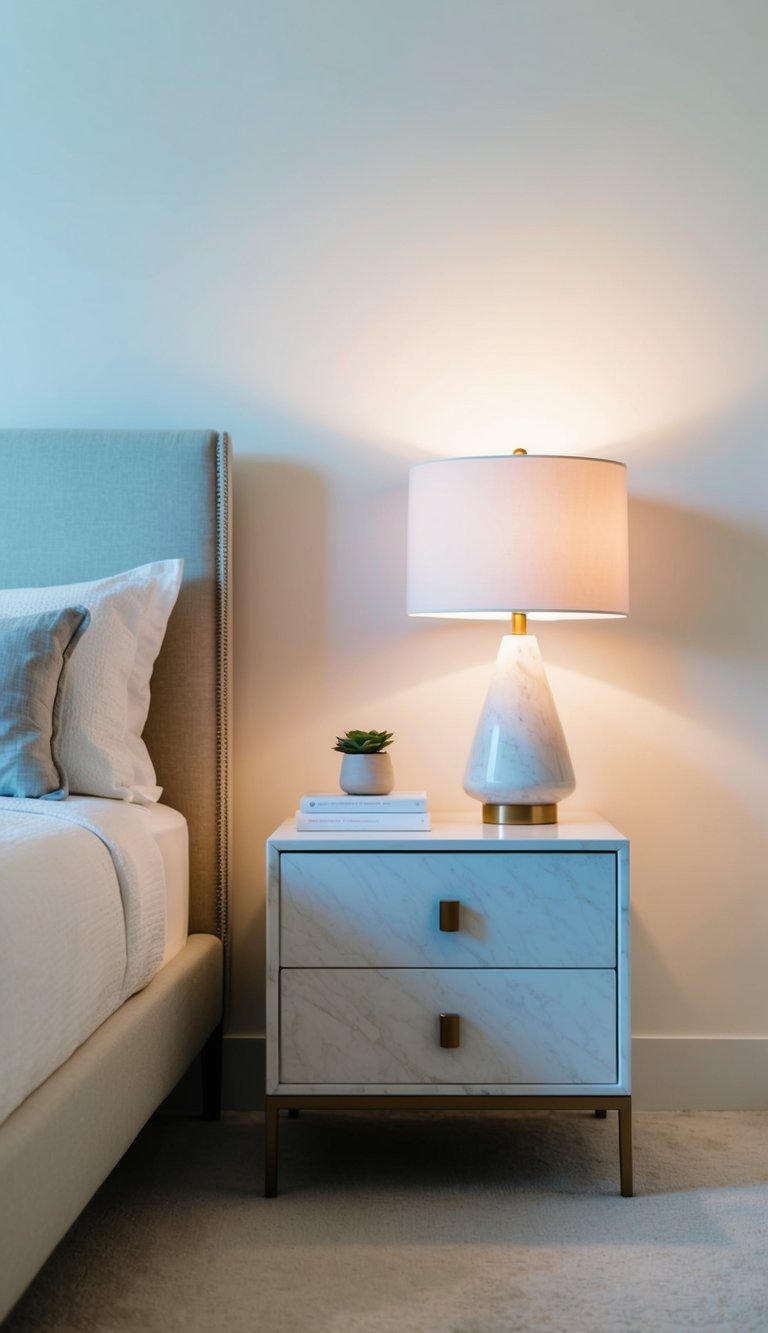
(519, 618)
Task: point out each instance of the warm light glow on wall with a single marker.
(462, 325)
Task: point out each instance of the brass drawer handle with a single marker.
(450, 912)
(450, 1031)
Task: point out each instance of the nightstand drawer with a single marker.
(382, 909)
(382, 1026)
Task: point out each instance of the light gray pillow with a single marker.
(106, 689)
(33, 656)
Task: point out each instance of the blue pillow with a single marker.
(33, 656)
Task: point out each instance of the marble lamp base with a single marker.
(519, 766)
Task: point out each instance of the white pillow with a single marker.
(105, 693)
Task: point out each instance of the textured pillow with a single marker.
(33, 656)
(105, 694)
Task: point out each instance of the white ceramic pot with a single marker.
(366, 774)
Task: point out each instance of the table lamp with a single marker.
(518, 536)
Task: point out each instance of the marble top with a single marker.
(577, 831)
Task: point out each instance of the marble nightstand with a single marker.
(473, 967)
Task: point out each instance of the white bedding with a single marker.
(170, 832)
(82, 923)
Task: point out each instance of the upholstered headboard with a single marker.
(82, 504)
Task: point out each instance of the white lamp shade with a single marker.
(546, 535)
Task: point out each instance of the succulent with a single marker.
(363, 742)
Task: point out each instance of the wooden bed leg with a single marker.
(211, 1071)
(625, 1149)
(271, 1124)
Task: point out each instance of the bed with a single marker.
(82, 506)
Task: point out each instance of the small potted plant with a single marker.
(366, 769)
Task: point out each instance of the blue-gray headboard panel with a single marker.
(81, 504)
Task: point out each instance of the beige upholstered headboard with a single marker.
(81, 504)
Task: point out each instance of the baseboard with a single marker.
(244, 1073)
(700, 1073)
(668, 1074)
(242, 1077)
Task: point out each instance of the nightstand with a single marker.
(473, 967)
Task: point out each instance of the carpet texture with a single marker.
(440, 1223)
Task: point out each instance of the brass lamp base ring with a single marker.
(520, 814)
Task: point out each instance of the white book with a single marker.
(352, 822)
(396, 802)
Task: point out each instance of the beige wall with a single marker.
(358, 234)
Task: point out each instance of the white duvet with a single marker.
(82, 927)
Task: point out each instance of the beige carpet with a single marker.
(443, 1224)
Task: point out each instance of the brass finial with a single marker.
(519, 451)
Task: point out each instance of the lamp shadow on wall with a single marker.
(280, 539)
(319, 537)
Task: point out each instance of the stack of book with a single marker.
(335, 812)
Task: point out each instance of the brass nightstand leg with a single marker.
(271, 1123)
(625, 1149)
